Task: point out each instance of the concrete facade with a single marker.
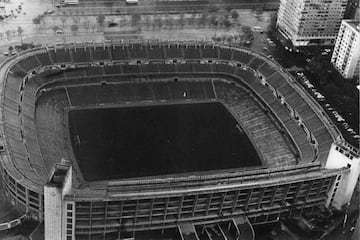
(346, 55)
(310, 22)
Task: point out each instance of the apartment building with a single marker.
(310, 22)
(346, 55)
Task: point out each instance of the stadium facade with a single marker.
(306, 163)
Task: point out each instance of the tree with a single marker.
(227, 23)
(8, 34)
(170, 23)
(11, 48)
(74, 28)
(228, 8)
(100, 19)
(55, 28)
(63, 20)
(248, 33)
(272, 26)
(86, 24)
(135, 19)
(147, 21)
(191, 19)
(36, 20)
(203, 17)
(181, 20)
(157, 22)
(76, 19)
(213, 8)
(234, 15)
(259, 11)
(20, 32)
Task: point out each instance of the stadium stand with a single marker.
(192, 52)
(210, 52)
(255, 63)
(267, 70)
(80, 55)
(119, 53)
(166, 68)
(100, 53)
(150, 68)
(49, 121)
(261, 129)
(34, 125)
(174, 51)
(28, 64)
(60, 55)
(137, 51)
(242, 56)
(43, 58)
(155, 52)
(226, 53)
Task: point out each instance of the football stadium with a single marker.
(107, 140)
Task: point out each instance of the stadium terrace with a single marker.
(304, 161)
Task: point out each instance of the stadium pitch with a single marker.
(140, 141)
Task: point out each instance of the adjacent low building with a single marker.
(346, 55)
(310, 22)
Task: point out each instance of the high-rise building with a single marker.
(310, 22)
(346, 55)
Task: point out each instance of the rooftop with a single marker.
(60, 171)
(355, 24)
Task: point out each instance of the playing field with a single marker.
(143, 141)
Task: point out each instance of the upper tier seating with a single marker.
(192, 52)
(258, 125)
(60, 55)
(155, 52)
(105, 85)
(255, 63)
(43, 58)
(137, 51)
(50, 126)
(136, 92)
(81, 55)
(210, 52)
(28, 63)
(119, 53)
(226, 53)
(174, 51)
(267, 70)
(242, 57)
(100, 53)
